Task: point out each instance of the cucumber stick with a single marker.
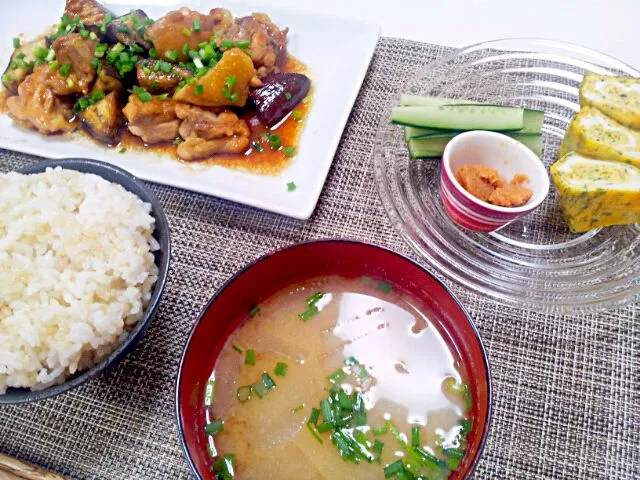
(407, 100)
(532, 119)
(432, 146)
(411, 132)
(460, 117)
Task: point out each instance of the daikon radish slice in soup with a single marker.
(337, 378)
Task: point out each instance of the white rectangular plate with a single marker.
(336, 50)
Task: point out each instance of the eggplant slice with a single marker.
(108, 80)
(279, 95)
(130, 29)
(103, 120)
(21, 64)
(151, 76)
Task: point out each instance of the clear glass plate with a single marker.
(535, 262)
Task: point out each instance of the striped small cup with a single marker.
(506, 155)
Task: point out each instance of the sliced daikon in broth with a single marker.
(349, 379)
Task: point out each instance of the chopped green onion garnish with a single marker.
(122, 150)
(275, 141)
(243, 44)
(84, 34)
(95, 63)
(384, 286)
(415, 436)
(315, 415)
(297, 409)
(250, 357)
(260, 389)
(287, 95)
(235, 347)
(171, 55)
(70, 83)
(268, 381)
(325, 427)
(466, 425)
(315, 298)
(281, 369)
(178, 141)
(93, 36)
(6, 78)
(65, 69)
(314, 431)
(16, 42)
(308, 313)
(199, 89)
(40, 52)
(81, 104)
(393, 469)
(53, 66)
(257, 147)
(233, 97)
(224, 467)
(97, 96)
(123, 29)
(163, 96)
(351, 361)
(377, 449)
(185, 49)
(153, 53)
(165, 67)
(289, 151)
(244, 394)
(196, 25)
(254, 311)
(468, 399)
(430, 460)
(297, 115)
(337, 377)
(143, 95)
(51, 55)
(186, 32)
(291, 186)
(210, 393)
(454, 453)
(327, 413)
(198, 63)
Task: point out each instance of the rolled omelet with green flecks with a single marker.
(594, 134)
(596, 193)
(616, 97)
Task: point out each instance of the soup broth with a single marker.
(337, 378)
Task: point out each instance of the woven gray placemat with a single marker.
(567, 389)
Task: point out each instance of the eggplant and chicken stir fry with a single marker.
(185, 78)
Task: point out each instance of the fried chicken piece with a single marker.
(89, 11)
(154, 121)
(208, 132)
(37, 107)
(268, 48)
(74, 50)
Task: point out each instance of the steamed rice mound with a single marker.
(76, 273)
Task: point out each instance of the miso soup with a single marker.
(337, 378)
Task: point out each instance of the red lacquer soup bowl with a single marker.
(283, 268)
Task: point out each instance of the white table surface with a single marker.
(610, 26)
